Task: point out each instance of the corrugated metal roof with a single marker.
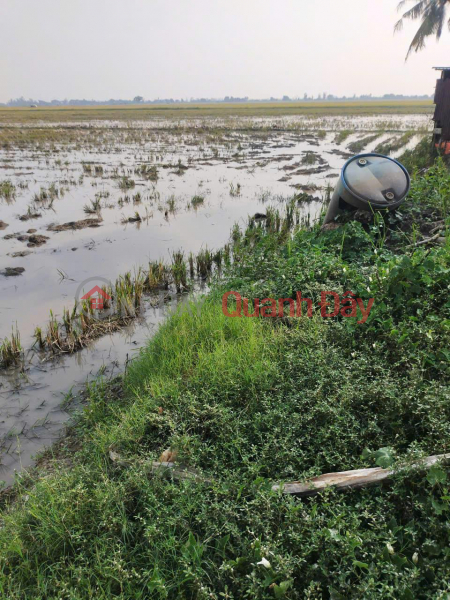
(441, 68)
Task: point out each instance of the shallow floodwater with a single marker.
(236, 171)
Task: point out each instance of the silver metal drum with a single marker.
(369, 182)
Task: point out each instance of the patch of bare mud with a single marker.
(12, 271)
(30, 215)
(73, 225)
(32, 240)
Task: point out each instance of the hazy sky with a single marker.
(104, 49)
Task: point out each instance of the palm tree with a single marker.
(433, 15)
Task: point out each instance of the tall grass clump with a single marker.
(179, 271)
(7, 190)
(204, 262)
(157, 277)
(10, 349)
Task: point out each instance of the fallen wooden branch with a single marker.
(352, 479)
(341, 481)
(425, 241)
(439, 225)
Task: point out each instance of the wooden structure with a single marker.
(441, 117)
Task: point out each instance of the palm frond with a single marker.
(432, 13)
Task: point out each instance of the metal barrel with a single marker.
(369, 182)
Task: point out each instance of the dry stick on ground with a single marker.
(425, 241)
(439, 227)
(352, 479)
(341, 481)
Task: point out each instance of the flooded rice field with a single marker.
(82, 204)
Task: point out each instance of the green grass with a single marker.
(248, 402)
(64, 114)
(358, 146)
(342, 136)
(395, 143)
(421, 157)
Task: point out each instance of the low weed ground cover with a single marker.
(249, 402)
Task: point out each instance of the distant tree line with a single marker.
(20, 102)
